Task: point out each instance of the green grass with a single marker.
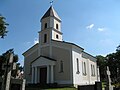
(103, 84)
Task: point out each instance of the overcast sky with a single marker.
(92, 24)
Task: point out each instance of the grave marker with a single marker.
(108, 86)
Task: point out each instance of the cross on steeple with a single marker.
(51, 2)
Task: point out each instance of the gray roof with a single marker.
(51, 12)
(68, 43)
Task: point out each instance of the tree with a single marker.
(117, 57)
(113, 61)
(101, 62)
(118, 48)
(15, 72)
(3, 26)
(1, 62)
(15, 60)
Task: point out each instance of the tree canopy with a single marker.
(101, 62)
(113, 61)
(3, 27)
(3, 59)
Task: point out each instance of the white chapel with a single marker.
(53, 60)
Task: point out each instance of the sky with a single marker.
(92, 24)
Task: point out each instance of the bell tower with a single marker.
(50, 27)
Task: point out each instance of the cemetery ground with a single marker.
(117, 86)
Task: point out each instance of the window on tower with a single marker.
(45, 25)
(57, 36)
(45, 38)
(56, 26)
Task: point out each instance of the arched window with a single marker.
(57, 36)
(57, 26)
(30, 69)
(45, 38)
(84, 68)
(61, 66)
(77, 66)
(45, 25)
(91, 70)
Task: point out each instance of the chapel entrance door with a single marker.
(43, 75)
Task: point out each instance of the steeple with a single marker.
(50, 27)
(51, 13)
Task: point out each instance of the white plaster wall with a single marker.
(91, 60)
(76, 77)
(80, 79)
(59, 24)
(88, 70)
(85, 78)
(93, 78)
(54, 33)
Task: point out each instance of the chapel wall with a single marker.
(63, 55)
(28, 66)
(45, 51)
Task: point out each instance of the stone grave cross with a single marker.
(7, 66)
(109, 86)
(108, 75)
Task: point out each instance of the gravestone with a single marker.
(98, 86)
(17, 84)
(108, 85)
